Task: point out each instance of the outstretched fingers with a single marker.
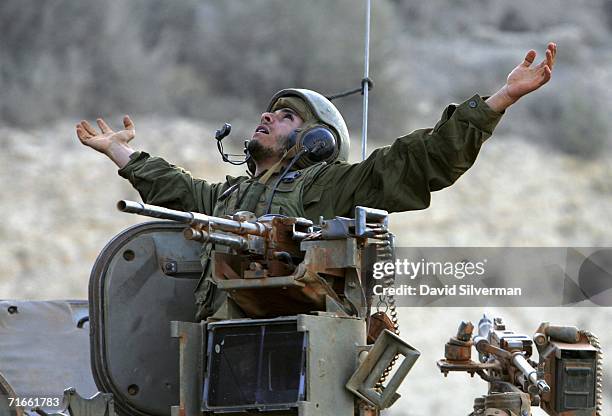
(545, 67)
(552, 48)
(128, 123)
(529, 58)
(88, 128)
(549, 60)
(82, 134)
(103, 126)
(108, 141)
(85, 131)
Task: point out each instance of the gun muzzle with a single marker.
(529, 372)
(133, 207)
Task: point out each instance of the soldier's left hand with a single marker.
(526, 77)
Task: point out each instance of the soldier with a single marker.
(299, 154)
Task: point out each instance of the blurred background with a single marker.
(182, 69)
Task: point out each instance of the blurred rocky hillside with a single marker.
(215, 60)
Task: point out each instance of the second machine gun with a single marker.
(566, 380)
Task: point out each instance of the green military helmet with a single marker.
(321, 117)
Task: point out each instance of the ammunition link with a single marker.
(385, 251)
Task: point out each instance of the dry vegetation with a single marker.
(184, 68)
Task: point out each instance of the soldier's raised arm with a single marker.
(157, 181)
(402, 176)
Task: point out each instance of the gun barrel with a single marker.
(233, 241)
(192, 218)
(521, 363)
(133, 207)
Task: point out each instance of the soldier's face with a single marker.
(270, 137)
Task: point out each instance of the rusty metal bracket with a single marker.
(364, 380)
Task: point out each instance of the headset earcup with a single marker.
(320, 142)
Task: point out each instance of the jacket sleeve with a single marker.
(160, 183)
(402, 176)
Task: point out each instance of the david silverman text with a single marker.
(454, 290)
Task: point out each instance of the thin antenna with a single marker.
(365, 84)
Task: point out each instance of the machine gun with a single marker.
(277, 265)
(307, 293)
(566, 380)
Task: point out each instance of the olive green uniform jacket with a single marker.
(395, 178)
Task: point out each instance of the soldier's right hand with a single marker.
(113, 144)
